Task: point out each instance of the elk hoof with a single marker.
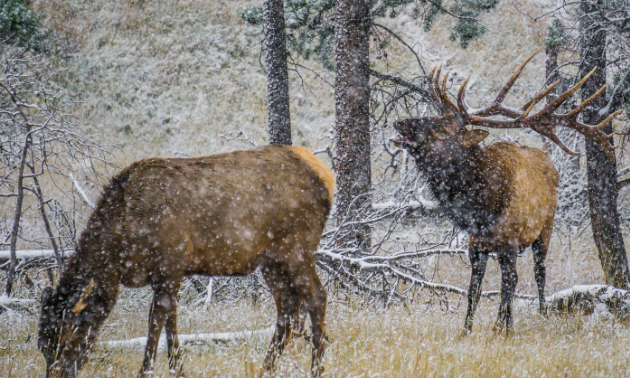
(501, 330)
(177, 373)
(145, 373)
(497, 329)
(542, 310)
(465, 333)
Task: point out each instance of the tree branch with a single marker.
(402, 82)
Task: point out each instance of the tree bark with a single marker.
(351, 149)
(601, 172)
(277, 75)
(551, 71)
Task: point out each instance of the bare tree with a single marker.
(38, 141)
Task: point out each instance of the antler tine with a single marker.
(496, 107)
(540, 96)
(564, 148)
(563, 97)
(596, 132)
(443, 86)
(461, 98)
(549, 133)
(510, 83)
(438, 73)
(447, 100)
(584, 103)
(436, 99)
(526, 112)
(606, 121)
(531, 103)
(437, 86)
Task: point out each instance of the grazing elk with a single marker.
(504, 195)
(162, 219)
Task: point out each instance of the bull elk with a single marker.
(503, 195)
(162, 219)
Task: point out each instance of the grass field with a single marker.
(419, 340)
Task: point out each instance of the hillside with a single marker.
(174, 77)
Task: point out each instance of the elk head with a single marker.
(58, 320)
(445, 138)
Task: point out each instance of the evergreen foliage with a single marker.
(252, 14)
(555, 35)
(20, 26)
(310, 23)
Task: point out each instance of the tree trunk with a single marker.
(601, 172)
(42, 209)
(551, 71)
(351, 149)
(18, 213)
(277, 74)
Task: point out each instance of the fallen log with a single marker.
(141, 342)
(585, 298)
(9, 303)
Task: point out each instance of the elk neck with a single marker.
(471, 187)
(90, 261)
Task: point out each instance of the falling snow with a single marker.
(149, 204)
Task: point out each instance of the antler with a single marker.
(543, 122)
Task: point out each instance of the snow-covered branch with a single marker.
(31, 254)
(421, 204)
(81, 191)
(26, 259)
(368, 261)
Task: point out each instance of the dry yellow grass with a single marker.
(366, 341)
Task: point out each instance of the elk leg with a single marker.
(540, 249)
(540, 273)
(478, 261)
(162, 305)
(509, 279)
(287, 306)
(315, 298)
(172, 342)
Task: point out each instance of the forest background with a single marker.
(187, 78)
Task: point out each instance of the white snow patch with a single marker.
(141, 342)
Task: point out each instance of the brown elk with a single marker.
(162, 219)
(504, 195)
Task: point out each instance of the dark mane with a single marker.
(474, 191)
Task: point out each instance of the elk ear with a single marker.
(84, 294)
(472, 137)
